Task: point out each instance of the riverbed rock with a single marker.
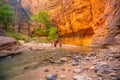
(6, 58)
(106, 68)
(92, 68)
(46, 70)
(99, 78)
(100, 66)
(21, 42)
(74, 62)
(62, 76)
(113, 74)
(51, 77)
(100, 74)
(64, 59)
(63, 69)
(82, 77)
(113, 78)
(77, 70)
(91, 54)
(78, 58)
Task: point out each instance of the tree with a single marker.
(44, 18)
(52, 33)
(6, 15)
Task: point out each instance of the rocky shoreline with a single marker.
(99, 64)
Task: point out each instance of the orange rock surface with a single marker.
(82, 21)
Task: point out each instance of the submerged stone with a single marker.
(7, 58)
(74, 63)
(51, 77)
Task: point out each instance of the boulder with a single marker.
(8, 46)
(6, 41)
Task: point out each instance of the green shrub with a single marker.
(39, 32)
(52, 33)
(10, 29)
(43, 18)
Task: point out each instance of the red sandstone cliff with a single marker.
(89, 21)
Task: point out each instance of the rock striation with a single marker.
(8, 46)
(109, 32)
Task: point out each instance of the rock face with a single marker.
(82, 21)
(8, 46)
(74, 18)
(21, 16)
(109, 32)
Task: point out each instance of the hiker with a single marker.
(55, 43)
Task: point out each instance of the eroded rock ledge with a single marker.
(8, 46)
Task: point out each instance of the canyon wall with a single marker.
(84, 22)
(109, 32)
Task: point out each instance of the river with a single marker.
(12, 66)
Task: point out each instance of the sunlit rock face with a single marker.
(75, 18)
(82, 22)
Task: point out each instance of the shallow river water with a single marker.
(29, 60)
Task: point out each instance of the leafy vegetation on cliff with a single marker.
(44, 18)
(7, 21)
(47, 28)
(6, 15)
(14, 23)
